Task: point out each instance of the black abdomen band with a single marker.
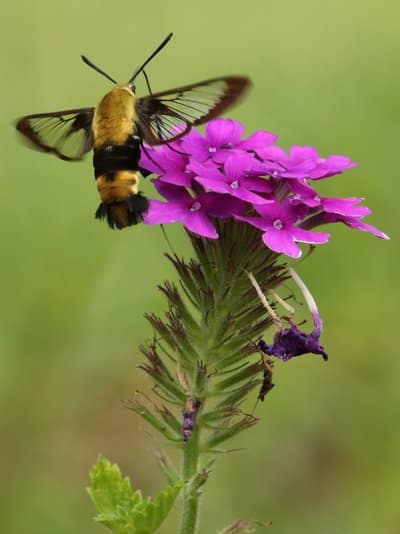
(112, 158)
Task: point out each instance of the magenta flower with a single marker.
(222, 136)
(304, 162)
(193, 212)
(170, 165)
(322, 167)
(222, 139)
(235, 179)
(331, 166)
(351, 222)
(283, 166)
(222, 175)
(278, 222)
(305, 194)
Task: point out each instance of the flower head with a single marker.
(223, 175)
(280, 232)
(194, 212)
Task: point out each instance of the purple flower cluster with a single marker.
(222, 175)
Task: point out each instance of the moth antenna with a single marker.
(156, 51)
(96, 68)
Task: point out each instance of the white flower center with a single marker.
(277, 224)
(275, 174)
(212, 149)
(317, 198)
(195, 206)
(235, 184)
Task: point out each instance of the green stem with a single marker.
(190, 495)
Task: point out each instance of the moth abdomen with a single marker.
(122, 213)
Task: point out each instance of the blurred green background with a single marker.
(325, 457)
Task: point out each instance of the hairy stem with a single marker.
(190, 494)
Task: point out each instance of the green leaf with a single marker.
(123, 510)
(144, 412)
(222, 435)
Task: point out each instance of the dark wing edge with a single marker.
(162, 115)
(67, 134)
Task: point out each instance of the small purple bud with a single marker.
(189, 417)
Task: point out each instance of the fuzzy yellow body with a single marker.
(115, 139)
(124, 183)
(114, 117)
(113, 124)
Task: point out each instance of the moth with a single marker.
(118, 128)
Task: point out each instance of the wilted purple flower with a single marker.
(291, 342)
(222, 175)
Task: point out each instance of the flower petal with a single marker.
(223, 132)
(257, 222)
(218, 186)
(237, 165)
(258, 140)
(151, 159)
(332, 165)
(301, 153)
(198, 223)
(248, 196)
(262, 185)
(353, 222)
(345, 206)
(281, 241)
(274, 153)
(207, 169)
(163, 212)
(222, 205)
(195, 145)
(305, 236)
(179, 178)
(171, 192)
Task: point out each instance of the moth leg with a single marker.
(147, 82)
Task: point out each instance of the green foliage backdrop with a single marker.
(325, 457)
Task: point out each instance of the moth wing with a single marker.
(169, 115)
(67, 134)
